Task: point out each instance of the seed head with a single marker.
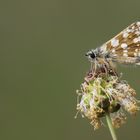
(103, 93)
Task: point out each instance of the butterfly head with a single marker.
(91, 55)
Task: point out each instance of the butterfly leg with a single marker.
(111, 67)
(93, 68)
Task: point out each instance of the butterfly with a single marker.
(123, 48)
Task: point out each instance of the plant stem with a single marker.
(110, 126)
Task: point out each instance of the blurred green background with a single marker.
(42, 63)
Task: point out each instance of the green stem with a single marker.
(111, 128)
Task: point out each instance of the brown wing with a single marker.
(125, 47)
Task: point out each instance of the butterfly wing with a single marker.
(125, 47)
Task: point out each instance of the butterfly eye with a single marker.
(92, 55)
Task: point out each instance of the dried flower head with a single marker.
(103, 93)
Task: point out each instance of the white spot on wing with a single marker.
(103, 48)
(124, 45)
(125, 51)
(114, 55)
(113, 50)
(138, 23)
(137, 63)
(137, 32)
(135, 40)
(114, 42)
(133, 27)
(125, 35)
(128, 30)
(135, 54)
(139, 38)
(125, 54)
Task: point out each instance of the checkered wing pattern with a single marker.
(125, 47)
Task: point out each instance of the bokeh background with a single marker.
(42, 63)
